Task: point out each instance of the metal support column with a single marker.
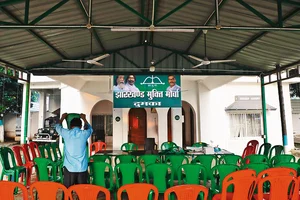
(25, 114)
(263, 106)
(282, 110)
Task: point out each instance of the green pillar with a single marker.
(263, 106)
(27, 102)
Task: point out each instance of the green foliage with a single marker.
(10, 96)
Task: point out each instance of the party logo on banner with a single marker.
(142, 91)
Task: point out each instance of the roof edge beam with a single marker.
(127, 59)
(48, 12)
(206, 22)
(133, 11)
(40, 38)
(257, 13)
(9, 2)
(172, 12)
(259, 35)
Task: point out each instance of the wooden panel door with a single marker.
(137, 126)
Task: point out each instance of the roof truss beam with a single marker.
(89, 20)
(48, 12)
(134, 11)
(291, 2)
(129, 60)
(205, 23)
(9, 2)
(26, 13)
(36, 35)
(172, 12)
(259, 35)
(257, 13)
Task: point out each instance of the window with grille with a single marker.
(245, 125)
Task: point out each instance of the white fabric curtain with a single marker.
(237, 125)
(245, 125)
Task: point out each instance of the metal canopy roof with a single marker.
(36, 35)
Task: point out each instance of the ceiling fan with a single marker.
(205, 60)
(93, 61)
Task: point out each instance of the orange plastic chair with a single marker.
(35, 151)
(277, 171)
(255, 144)
(48, 190)
(248, 151)
(243, 181)
(184, 192)
(281, 187)
(98, 146)
(19, 151)
(7, 189)
(88, 192)
(138, 191)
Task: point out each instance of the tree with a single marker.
(295, 90)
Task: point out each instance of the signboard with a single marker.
(146, 91)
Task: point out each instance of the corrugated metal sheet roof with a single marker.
(249, 103)
(46, 47)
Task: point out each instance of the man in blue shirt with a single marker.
(75, 151)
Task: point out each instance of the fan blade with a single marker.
(195, 58)
(221, 61)
(98, 64)
(197, 65)
(74, 60)
(101, 57)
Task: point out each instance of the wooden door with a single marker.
(137, 126)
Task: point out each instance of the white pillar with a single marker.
(42, 109)
(1, 130)
(176, 123)
(162, 118)
(117, 128)
(23, 114)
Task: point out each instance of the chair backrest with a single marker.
(255, 158)
(88, 191)
(126, 173)
(255, 144)
(42, 151)
(138, 191)
(192, 174)
(7, 189)
(168, 146)
(100, 158)
(209, 161)
(282, 158)
(281, 187)
(257, 167)
(7, 158)
(42, 168)
(28, 152)
(230, 159)
(97, 146)
(149, 159)
(248, 151)
(200, 144)
(35, 151)
(150, 144)
(50, 155)
(102, 174)
(48, 190)
(56, 151)
(161, 175)
(129, 146)
(294, 166)
(19, 155)
(276, 150)
(277, 171)
(184, 192)
(125, 159)
(243, 182)
(69, 118)
(175, 161)
(264, 149)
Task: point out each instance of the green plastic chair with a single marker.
(98, 158)
(200, 144)
(125, 159)
(42, 151)
(230, 159)
(294, 166)
(165, 146)
(283, 158)
(43, 167)
(160, 175)
(276, 150)
(9, 166)
(127, 173)
(102, 175)
(56, 152)
(257, 167)
(264, 149)
(255, 158)
(146, 160)
(217, 175)
(129, 147)
(69, 118)
(192, 174)
(208, 161)
(175, 161)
